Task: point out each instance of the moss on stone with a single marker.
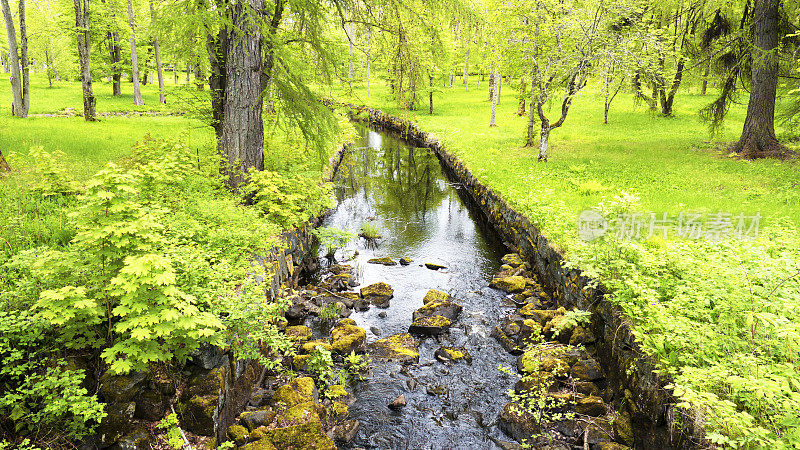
(304, 436)
(513, 260)
(510, 284)
(309, 346)
(337, 411)
(297, 391)
(259, 433)
(300, 413)
(337, 391)
(380, 289)
(386, 261)
(435, 295)
(431, 325)
(398, 347)
(300, 362)
(261, 444)
(299, 332)
(237, 433)
(347, 337)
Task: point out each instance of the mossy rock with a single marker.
(341, 282)
(379, 289)
(261, 444)
(510, 284)
(404, 261)
(513, 260)
(453, 354)
(610, 446)
(238, 434)
(301, 413)
(590, 406)
(259, 434)
(581, 336)
(256, 419)
(299, 390)
(347, 337)
(542, 316)
(303, 436)
(506, 268)
(434, 266)
(300, 362)
(337, 411)
(587, 370)
(309, 346)
(338, 392)
(517, 423)
(552, 360)
(122, 388)
(299, 332)
(337, 269)
(198, 414)
(536, 383)
(430, 326)
(435, 295)
(444, 308)
(400, 347)
(384, 261)
(117, 423)
(623, 428)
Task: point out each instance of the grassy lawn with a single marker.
(721, 316)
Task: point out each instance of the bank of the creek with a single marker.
(455, 393)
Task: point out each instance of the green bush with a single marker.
(287, 199)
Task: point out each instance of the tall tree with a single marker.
(137, 92)
(758, 135)
(18, 57)
(242, 136)
(116, 62)
(84, 57)
(4, 167)
(157, 52)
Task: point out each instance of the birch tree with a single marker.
(562, 40)
(20, 82)
(84, 57)
(137, 92)
(157, 52)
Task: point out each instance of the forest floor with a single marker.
(721, 315)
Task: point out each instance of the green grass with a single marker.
(68, 94)
(673, 164)
(722, 317)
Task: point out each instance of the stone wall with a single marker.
(218, 386)
(639, 387)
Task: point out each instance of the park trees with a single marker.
(561, 41)
(137, 93)
(18, 56)
(84, 57)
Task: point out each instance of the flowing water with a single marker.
(421, 215)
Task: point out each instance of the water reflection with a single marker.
(403, 191)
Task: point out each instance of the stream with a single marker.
(421, 215)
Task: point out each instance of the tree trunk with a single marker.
(84, 57)
(199, 83)
(499, 83)
(495, 93)
(23, 51)
(188, 71)
(430, 95)
(157, 51)
(491, 87)
(531, 117)
(523, 88)
(758, 138)
(175, 73)
(369, 55)
(465, 80)
(4, 167)
(242, 139)
(16, 78)
(49, 69)
(350, 59)
(116, 63)
(137, 92)
(705, 77)
(217, 52)
(667, 99)
(543, 140)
